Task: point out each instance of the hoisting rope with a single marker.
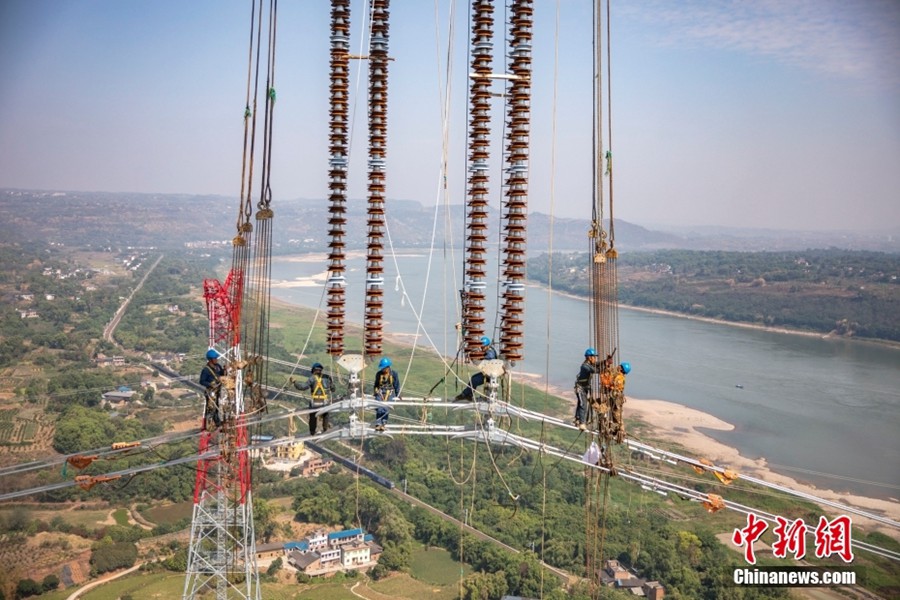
(608, 155)
(259, 290)
(606, 419)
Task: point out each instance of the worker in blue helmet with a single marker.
(583, 387)
(321, 387)
(385, 388)
(211, 379)
(489, 353)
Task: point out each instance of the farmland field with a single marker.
(436, 566)
(91, 518)
(169, 513)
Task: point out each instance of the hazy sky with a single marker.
(772, 113)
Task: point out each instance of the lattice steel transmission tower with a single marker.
(222, 552)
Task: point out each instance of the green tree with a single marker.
(18, 519)
(177, 562)
(689, 546)
(264, 518)
(27, 587)
(484, 586)
(111, 556)
(274, 567)
(50, 583)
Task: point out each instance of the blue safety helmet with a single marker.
(385, 362)
(626, 367)
(211, 354)
(485, 340)
(590, 352)
(317, 366)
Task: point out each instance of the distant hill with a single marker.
(103, 219)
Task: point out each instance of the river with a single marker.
(820, 410)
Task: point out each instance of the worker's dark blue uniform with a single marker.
(386, 388)
(583, 387)
(478, 378)
(210, 379)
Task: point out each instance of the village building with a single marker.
(293, 457)
(272, 550)
(117, 398)
(102, 360)
(314, 466)
(326, 553)
(289, 452)
(162, 357)
(615, 574)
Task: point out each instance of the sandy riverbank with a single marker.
(758, 327)
(681, 425)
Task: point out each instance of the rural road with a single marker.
(111, 327)
(77, 593)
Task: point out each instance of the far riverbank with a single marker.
(739, 324)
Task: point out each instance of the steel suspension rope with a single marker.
(337, 173)
(255, 378)
(259, 290)
(378, 95)
(516, 204)
(592, 477)
(607, 415)
(482, 50)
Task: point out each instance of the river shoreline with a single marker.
(739, 324)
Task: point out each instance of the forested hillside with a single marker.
(848, 293)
